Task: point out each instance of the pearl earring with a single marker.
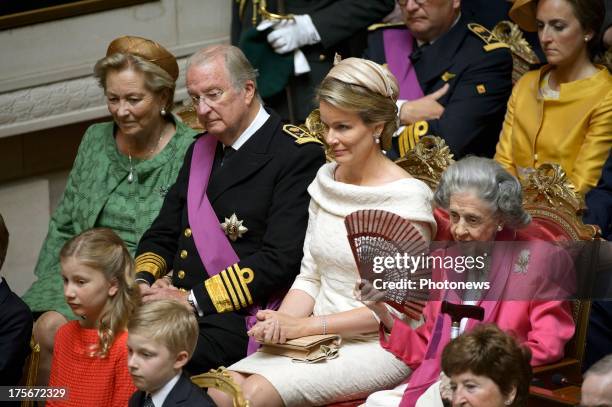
(508, 402)
(499, 228)
(163, 111)
(377, 138)
(586, 38)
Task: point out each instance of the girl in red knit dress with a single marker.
(90, 355)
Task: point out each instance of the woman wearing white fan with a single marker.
(357, 105)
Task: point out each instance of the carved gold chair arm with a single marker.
(220, 379)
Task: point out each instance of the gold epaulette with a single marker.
(151, 263)
(378, 26)
(490, 40)
(229, 289)
(300, 134)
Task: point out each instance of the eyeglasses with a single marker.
(403, 3)
(210, 98)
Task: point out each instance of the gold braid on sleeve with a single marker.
(229, 289)
(151, 263)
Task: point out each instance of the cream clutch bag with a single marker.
(307, 349)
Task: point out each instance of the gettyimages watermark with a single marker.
(494, 271)
(404, 263)
(413, 263)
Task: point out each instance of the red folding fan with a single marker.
(376, 234)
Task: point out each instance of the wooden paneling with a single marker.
(11, 157)
(41, 151)
(26, 12)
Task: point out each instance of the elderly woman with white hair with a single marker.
(357, 105)
(528, 282)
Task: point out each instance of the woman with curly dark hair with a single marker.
(487, 368)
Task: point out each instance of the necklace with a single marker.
(130, 177)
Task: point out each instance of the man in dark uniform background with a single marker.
(257, 191)
(339, 26)
(463, 71)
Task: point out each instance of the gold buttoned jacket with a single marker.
(574, 130)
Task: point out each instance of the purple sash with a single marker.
(398, 47)
(213, 247)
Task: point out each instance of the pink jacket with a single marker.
(542, 325)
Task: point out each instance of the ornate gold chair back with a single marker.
(523, 57)
(429, 158)
(550, 196)
(551, 200)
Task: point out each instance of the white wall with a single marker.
(45, 71)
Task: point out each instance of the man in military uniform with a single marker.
(232, 227)
(462, 70)
(320, 29)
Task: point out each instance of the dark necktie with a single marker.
(148, 401)
(417, 52)
(227, 153)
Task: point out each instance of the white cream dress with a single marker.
(328, 274)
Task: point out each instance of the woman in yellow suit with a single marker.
(561, 113)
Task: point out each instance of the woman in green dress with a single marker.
(121, 174)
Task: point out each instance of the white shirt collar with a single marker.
(259, 121)
(160, 395)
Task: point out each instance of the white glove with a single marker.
(300, 63)
(289, 35)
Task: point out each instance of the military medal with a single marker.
(233, 227)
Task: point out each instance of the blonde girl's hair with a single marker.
(102, 250)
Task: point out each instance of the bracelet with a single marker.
(324, 323)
